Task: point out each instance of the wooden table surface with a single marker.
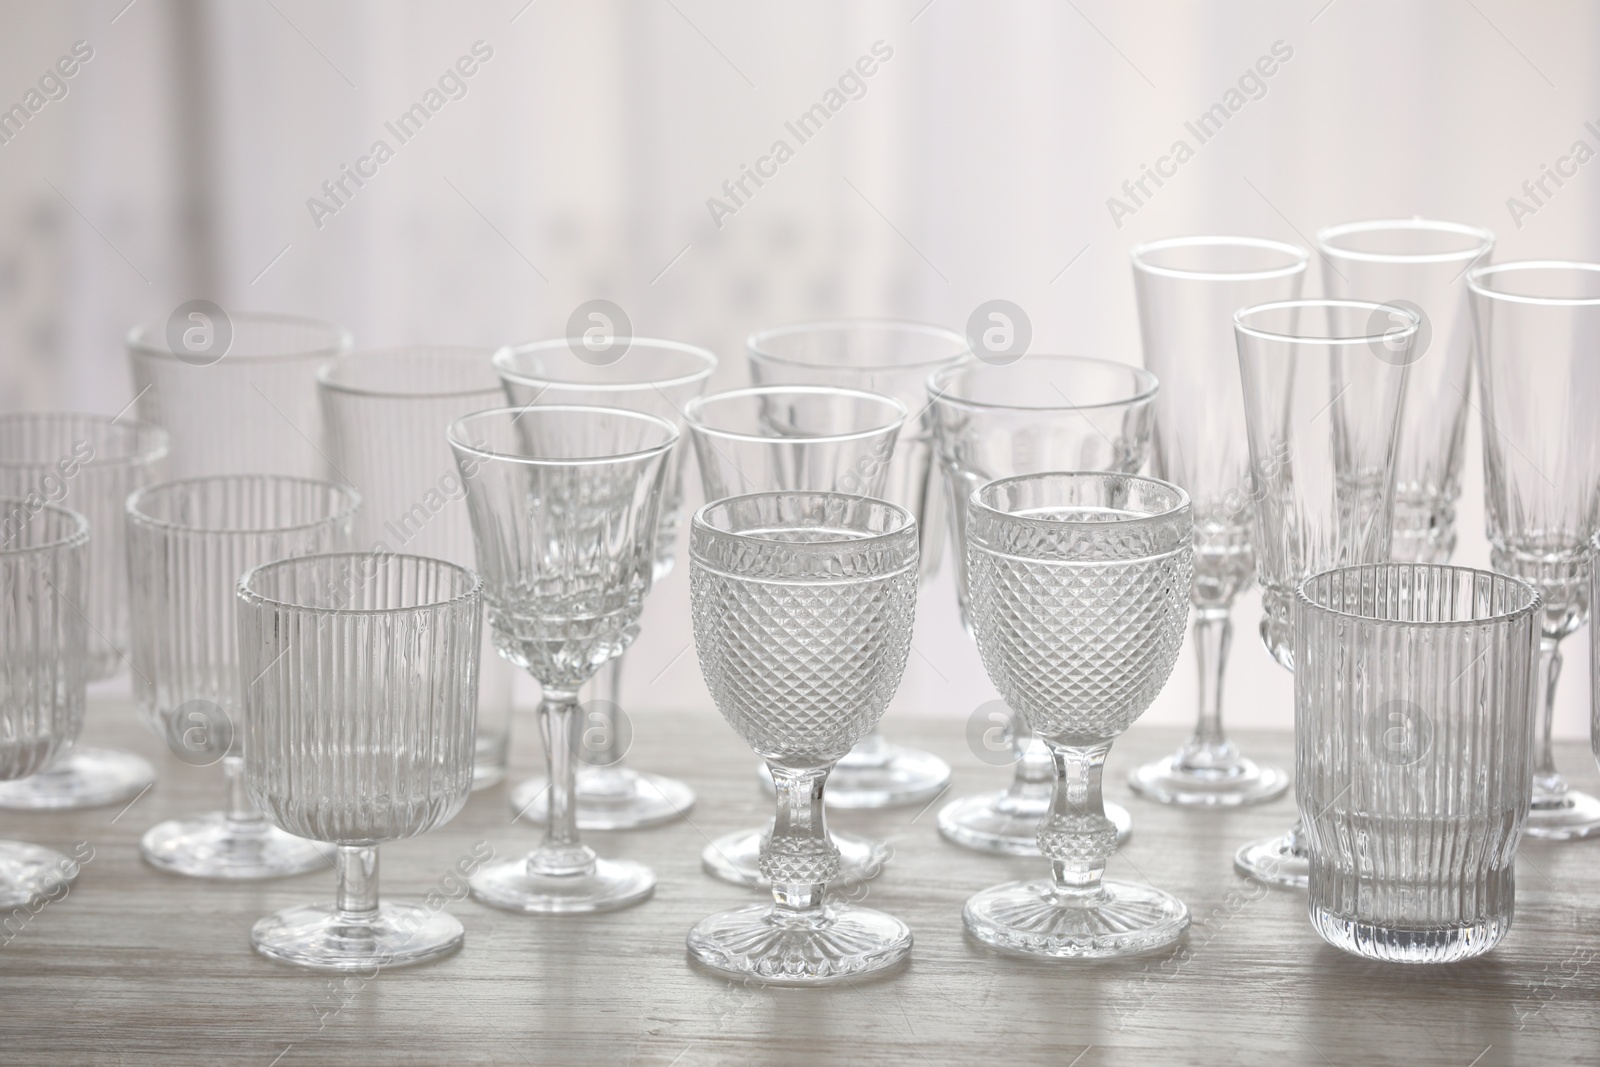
(135, 966)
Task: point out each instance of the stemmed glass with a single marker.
(1422, 265)
(1324, 382)
(1079, 588)
(657, 378)
(894, 358)
(1043, 413)
(565, 504)
(803, 605)
(358, 729)
(817, 438)
(188, 543)
(1188, 289)
(44, 564)
(92, 462)
(384, 416)
(1537, 326)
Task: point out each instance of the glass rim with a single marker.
(1300, 256)
(502, 356)
(1476, 276)
(148, 339)
(326, 373)
(349, 496)
(939, 381)
(159, 442)
(756, 343)
(693, 409)
(255, 598)
(907, 523)
(1534, 603)
(1181, 503)
(1485, 238)
(76, 537)
(1383, 338)
(457, 439)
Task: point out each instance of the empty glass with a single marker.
(803, 605)
(794, 437)
(188, 543)
(565, 505)
(91, 463)
(238, 394)
(1413, 732)
(1079, 590)
(1040, 414)
(384, 416)
(1422, 265)
(1188, 289)
(893, 358)
(358, 729)
(657, 378)
(1538, 341)
(1324, 382)
(44, 564)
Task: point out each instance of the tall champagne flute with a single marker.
(1188, 289)
(1537, 326)
(638, 374)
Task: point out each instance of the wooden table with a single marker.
(136, 966)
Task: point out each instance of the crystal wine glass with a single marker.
(657, 378)
(188, 543)
(565, 504)
(1042, 413)
(91, 462)
(803, 605)
(1079, 587)
(1324, 384)
(1188, 289)
(362, 679)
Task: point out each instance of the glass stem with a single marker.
(1213, 634)
(800, 857)
(1549, 786)
(1297, 840)
(358, 883)
(242, 816)
(1075, 835)
(561, 853)
(603, 771)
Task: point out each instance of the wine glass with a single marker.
(803, 604)
(358, 729)
(565, 504)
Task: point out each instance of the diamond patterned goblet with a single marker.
(803, 605)
(1079, 594)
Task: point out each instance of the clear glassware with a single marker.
(565, 504)
(44, 573)
(188, 543)
(358, 729)
(658, 378)
(384, 416)
(1079, 586)
(1188, 289)
(237, 395)
(1536, 325)
(1422, 265)
(793, 438)
(1414, 709)
(1324, 384)
(90, 462)
(894, 358)
(1040, 414)
(803, 604)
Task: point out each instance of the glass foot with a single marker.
(1274, 862)
(84, 778)
(879, 774)
(1181, 779)
(1574, 815)
(28, 872)
(1440, 944)
(606, 885)
(213, 846)
(1032, 919)
(610, 798)
(789, 948)
(735, 858)
(319, 935)
(1000, 822)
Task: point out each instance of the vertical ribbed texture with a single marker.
(1414, 708)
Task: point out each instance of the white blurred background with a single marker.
(976, 164)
